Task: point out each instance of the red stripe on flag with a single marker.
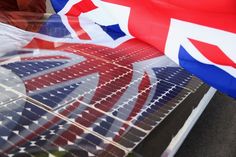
(42, 44)
(144, 85)
(75, 11)
(81, 7)
(156, 15)
(75, 25)
(142, 98)
(213, 53)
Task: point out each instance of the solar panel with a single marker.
(86, 100)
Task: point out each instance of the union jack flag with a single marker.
(83, 99)
(85, 87)
(170, 26)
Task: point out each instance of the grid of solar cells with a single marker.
(99, 107)
(178, 76)
(37, 129)
(128, 140)
(126, 56)
(135, 51)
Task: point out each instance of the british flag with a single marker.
(85, 87)
(86, 25)
(191, 34)
(83, 99)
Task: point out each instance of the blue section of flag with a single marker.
(24, 69)
(54, 97)
(39, 141)
(210, 74)
(54, 27)
(114, 31)
(174, 75)
(58, 5)
(4, 132)
(104, 126)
